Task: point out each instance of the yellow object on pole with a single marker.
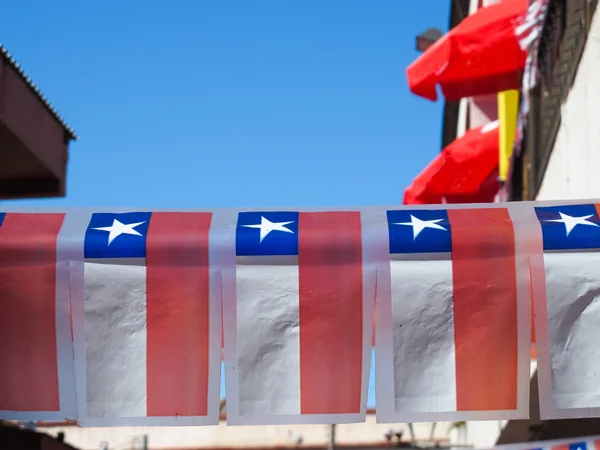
(508, 106)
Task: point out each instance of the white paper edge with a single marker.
(449, 416)
(154, 421)
(550, 413)
(33, 416)
(384, 345)
(385, 411)
(227, 224)
(64, 334)
(542, 339)
(76, 230)
(214, 338)
(224, 236)
(374, 252)
(525, 234)
(295, 419)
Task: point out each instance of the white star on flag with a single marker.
(571, 222)
(266, 226)
(419, 225)
(118, 228)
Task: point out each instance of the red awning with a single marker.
(481, 55)
(466, 171)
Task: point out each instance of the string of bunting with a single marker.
(581, 443)
(121, 317)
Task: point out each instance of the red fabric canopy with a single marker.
(466, 171)
(481, 55)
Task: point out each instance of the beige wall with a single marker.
(242, 437)
(477, 434)
(574, 166)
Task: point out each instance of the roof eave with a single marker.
(69, 132)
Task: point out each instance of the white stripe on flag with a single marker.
(116, 379)
(423, 335)
(573, 323)
(268, 339)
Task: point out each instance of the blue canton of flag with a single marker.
(578, 446)
(569, 227)
(267, 234)
(2, 218)
(419, 231)
(117, 235)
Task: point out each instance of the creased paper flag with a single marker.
(448, 346)
(303, 315)
(148, 335)
(569, 320)
(36, 352)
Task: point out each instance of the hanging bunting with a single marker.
(453, 284)
(458, 318)
(298, 308)
(566, 290)
(146, 313)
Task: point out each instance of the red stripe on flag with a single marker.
(29, 374)
(533, 352)
(331, 318)
(177, 290)
(597, 444)
(532, 310)
(560, 447)
(485, 309)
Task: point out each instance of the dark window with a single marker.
(552, 36)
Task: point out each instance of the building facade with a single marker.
(558, 157)
(33, 137)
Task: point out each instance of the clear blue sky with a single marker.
(217, 104)
(223, 104)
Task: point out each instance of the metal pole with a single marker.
(432, 433)
(412, 434)
(145, 442)
(332, 438)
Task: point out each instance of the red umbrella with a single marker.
(466, 171)
(481, 55)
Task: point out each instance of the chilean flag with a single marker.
(586, 444)
(36, 378)
(569, 318)
(147, 328)
(453, 342)
(298, 332)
